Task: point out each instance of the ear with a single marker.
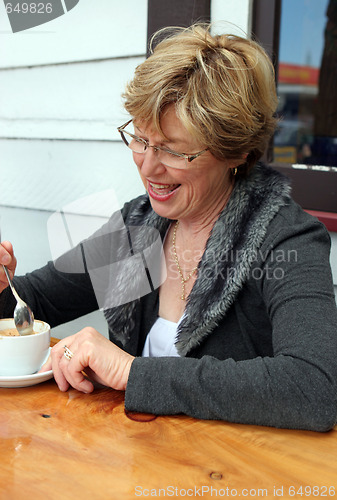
(238, 161)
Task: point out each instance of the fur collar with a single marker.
(230, 251)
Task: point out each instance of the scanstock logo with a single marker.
(25, 15)
(124, 262)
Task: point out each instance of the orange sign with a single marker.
(295, 74)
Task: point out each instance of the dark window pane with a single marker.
(307, 76)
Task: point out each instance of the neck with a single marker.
(195, 226)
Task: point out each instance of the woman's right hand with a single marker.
(6, 258)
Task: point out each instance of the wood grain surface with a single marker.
(71, 445)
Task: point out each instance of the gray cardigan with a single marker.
(258, 341)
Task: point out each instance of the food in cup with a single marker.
(11, 332)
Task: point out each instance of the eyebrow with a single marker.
(164, 141)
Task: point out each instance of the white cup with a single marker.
(23, 355)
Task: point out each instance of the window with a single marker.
(301, 37)
(162, 13)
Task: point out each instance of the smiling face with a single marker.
(196, 193)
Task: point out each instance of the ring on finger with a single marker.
(67, 353)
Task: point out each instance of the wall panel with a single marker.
(46, 175)
(92, 30)
(68, 101)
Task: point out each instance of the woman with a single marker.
(243, 325)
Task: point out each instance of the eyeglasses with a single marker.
(167, 157)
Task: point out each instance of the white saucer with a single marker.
(26, 380)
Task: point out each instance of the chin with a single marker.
(163, 211)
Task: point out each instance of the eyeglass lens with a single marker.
(137, 145)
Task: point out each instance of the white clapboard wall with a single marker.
(60, 104)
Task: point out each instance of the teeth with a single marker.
(163, 189)
(162, 186)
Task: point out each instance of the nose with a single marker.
(149, 163)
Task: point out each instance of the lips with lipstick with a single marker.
(162, 192)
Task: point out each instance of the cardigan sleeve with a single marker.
(54, 296)
(294, 388)
(76, 283)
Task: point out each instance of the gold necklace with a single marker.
(183, 280)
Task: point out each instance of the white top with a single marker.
(161, 338)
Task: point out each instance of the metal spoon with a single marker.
(23, 316)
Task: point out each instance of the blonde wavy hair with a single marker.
(222, 87)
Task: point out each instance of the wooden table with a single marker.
(71, 445)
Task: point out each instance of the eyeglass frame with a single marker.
(147, 145)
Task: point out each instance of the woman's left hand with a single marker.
(102, 361)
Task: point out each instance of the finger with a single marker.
(46, 366)
(6, 255)
(74, 372)
(7, 259)
(66, 372)
(58, 370)
(77, 378)
(94, 378)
